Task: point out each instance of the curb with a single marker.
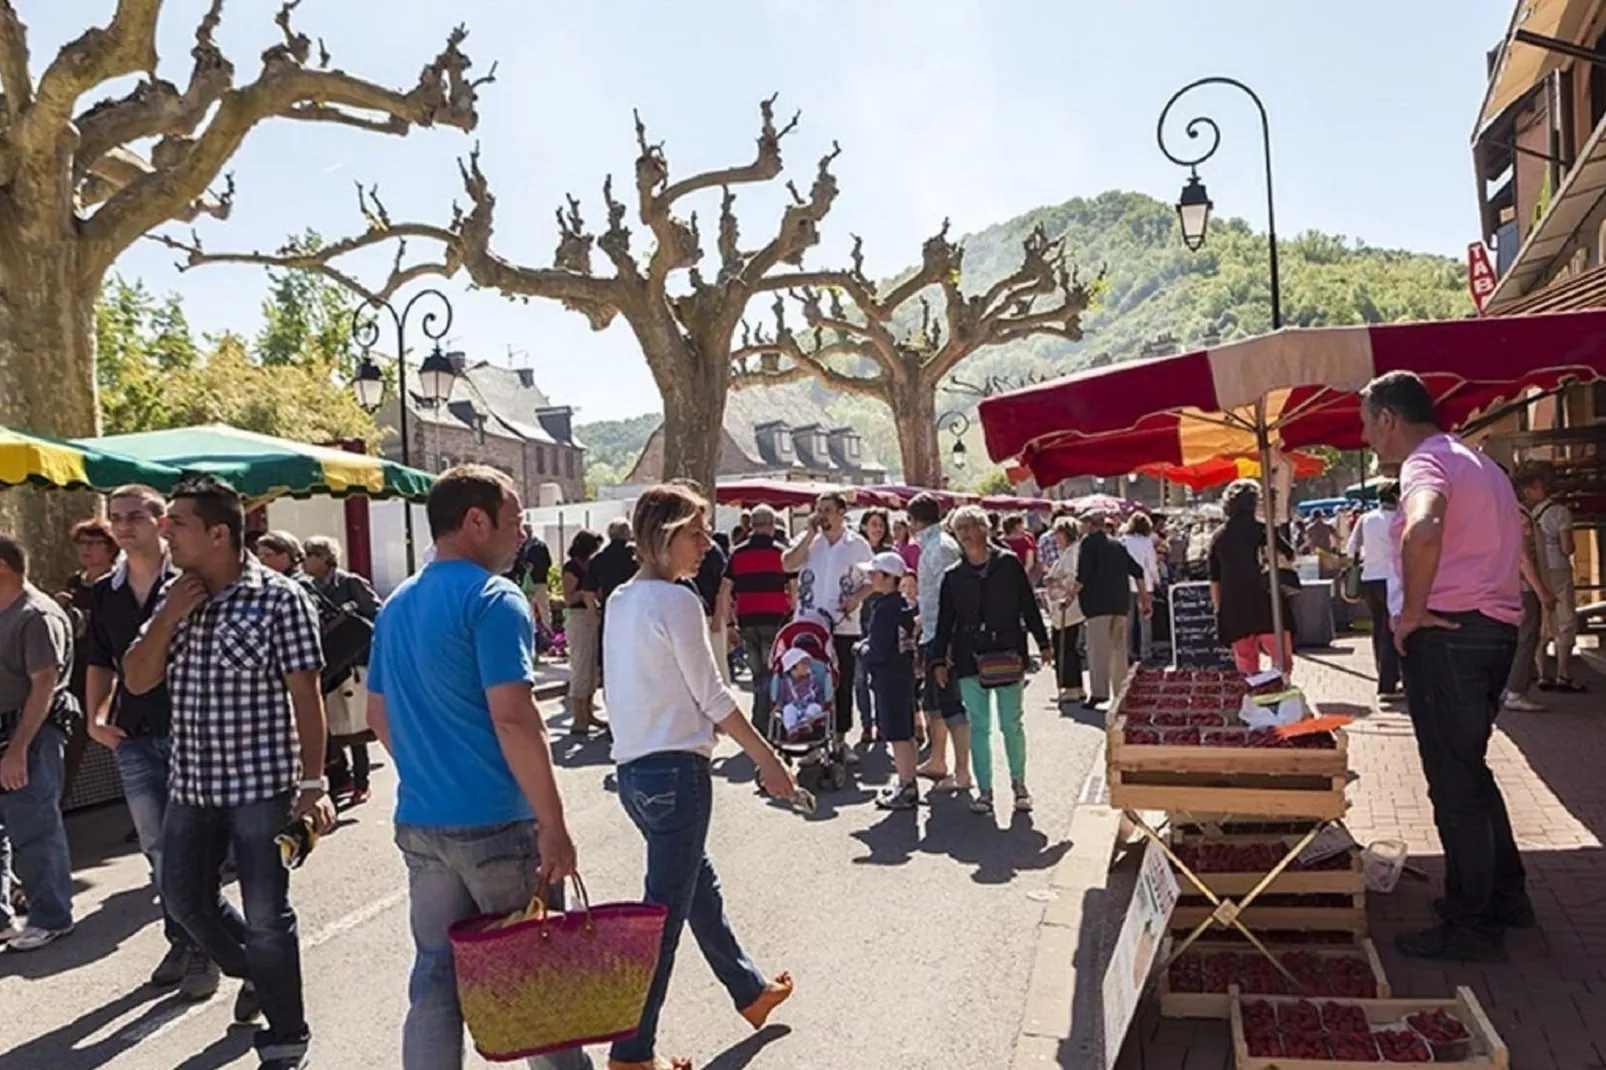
(1059, 1022)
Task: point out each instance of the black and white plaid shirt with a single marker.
(234, 733)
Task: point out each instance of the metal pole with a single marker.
(1264, 441)
(407, 453)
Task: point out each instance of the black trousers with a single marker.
(1068, 657)
(1453, 684)
(846, 663)
(1384, 656)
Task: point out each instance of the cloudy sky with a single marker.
(974, 110)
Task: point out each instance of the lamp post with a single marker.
(1193, 207)
(1193, 211)
(436, 375)
(959, 424)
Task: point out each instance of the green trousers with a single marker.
(979, 702)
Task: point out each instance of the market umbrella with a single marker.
(900, 495)
(1295, 387)
(1219, 470)
(261, 466)
(1006, 503)
(1108, 504)
(49, 462)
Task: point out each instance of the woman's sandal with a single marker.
(775, 993)
(1569, 685)
(656, 1063)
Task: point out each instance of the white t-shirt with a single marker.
(831, 574)
(1141, 547)
(1552, 518)
(661, 683)
(1370, 541)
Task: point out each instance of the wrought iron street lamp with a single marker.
(959, 424)
(1193, 208)
(437, 376)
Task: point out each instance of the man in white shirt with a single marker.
(1553, 538)
(830, 562)
(1370, 543)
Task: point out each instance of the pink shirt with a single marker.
(1479, 565)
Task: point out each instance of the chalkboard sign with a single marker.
(1194, 642)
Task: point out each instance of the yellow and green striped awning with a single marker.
(42, 461)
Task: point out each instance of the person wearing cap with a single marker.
(889, 654)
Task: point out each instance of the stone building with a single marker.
(495, 416)
(777, 432)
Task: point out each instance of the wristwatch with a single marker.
(321, 784)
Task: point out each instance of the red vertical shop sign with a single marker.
(1480, 275)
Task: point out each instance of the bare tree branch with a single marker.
(14, 81)
(444, 95)
(126, 46)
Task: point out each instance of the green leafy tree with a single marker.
(304, 312)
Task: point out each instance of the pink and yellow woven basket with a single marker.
(532, 981)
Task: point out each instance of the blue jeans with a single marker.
(669, 796)
(452, 874)
(143, 762)
(263, 947)
(32, 820)
(862, 695)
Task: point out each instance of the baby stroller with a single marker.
(822, 756)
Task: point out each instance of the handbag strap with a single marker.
(539, 911)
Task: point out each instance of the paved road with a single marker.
(911, 935)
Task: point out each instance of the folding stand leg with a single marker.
(1227, 911)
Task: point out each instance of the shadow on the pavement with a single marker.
(893, 840)
(738, 1055)
(576, 752)
(120, 916)
(60, 1048)
(1080, 714)
(221, 1052)
(998, 855)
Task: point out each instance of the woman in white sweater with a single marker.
(666, 705)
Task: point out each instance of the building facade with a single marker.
(777, 432)
(1539, 151)
(495, 416)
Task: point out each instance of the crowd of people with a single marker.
(238, 679)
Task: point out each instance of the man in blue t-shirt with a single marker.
(450, 694)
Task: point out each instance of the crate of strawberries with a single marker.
(1286, 1033)
(1236, 864)
(1195, 984)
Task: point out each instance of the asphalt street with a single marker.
(910, 934)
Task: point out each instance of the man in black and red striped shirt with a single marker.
(761, 590)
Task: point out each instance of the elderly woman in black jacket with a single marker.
(986, 608)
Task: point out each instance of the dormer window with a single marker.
(819, 449)
(783, 445)
(853, 446)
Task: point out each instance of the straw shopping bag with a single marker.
(535, 981)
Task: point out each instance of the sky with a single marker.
(976, 110)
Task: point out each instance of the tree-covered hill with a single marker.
(1153, 286)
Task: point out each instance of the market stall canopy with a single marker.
(1219, 470)
(781, 494)
(261, 466)
(898, 496)
(48, 462)
(1521, 65)
(1297, 386)
(1006, 503)
(1108, 504)
(1325, 505)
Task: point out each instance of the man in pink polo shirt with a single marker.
(1459, 541)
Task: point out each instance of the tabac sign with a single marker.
(1480, 275)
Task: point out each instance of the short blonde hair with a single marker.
(661, 512)
(969, 515)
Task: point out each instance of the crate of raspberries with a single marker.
(1235, 865)
(1196, 983)
(1284, 1033)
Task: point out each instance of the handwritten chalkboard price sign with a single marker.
(1194, 642)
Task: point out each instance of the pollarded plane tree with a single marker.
(74, 193)
(683, 318)
(872, 347)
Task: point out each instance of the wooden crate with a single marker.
(1350, 881)
(1218, 1004)
(1276, 782)
(1349, 918)
(1487, 1049)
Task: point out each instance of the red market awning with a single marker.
(1298, 385)
(1219, 470)
(898, 496)
(1005, 503)
(781, 494)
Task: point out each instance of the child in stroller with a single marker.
(803, 689)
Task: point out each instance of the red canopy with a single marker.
(1191, 407)
(1005, 503)
(781, 494)
(898, 496)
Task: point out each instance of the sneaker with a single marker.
(247, 1008)
(1520, 916)
(170, 971)
(982, 803)
(201, 977)
(904, 797)
(34, 937)
(1522, 703)
(1023, 798)
(287, 1062)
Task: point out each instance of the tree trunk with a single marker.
(693, 383)
(47, 386)
(914, 407)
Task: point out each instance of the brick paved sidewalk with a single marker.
(1549, 999)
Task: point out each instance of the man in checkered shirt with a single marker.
(239, 648)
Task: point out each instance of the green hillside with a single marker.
(1154, 286)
